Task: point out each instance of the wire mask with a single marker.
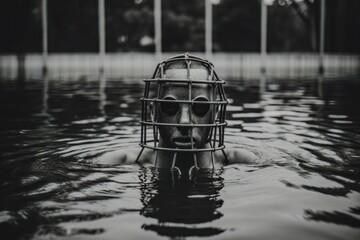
(219, 102)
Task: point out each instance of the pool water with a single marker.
(306, 133)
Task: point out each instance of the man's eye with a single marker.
(169, 108)
(200, 109)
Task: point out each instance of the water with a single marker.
(305, 131)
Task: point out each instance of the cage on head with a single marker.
(206, 132)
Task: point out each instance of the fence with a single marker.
(229, 65)
(208, 31)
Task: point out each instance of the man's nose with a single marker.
(184, 118)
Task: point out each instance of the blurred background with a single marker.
(127, 38)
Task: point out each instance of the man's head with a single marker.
(187, 104)
(199, 112)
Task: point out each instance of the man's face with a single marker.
(183, 113)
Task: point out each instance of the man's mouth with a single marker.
(183, 142)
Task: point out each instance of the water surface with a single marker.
(305, 131)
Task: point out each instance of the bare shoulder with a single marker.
(239, 155)
(123, 156)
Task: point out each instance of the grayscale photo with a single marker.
(180, 119)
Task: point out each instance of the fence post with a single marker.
(157, 26)
(208, 29)
(44, 34)
(263, 35)
(322, 37)
(101, 16)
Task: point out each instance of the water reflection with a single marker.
(45, 98)
(180, 204)
(102, 93)
(262, 85)
(320, 80)
(335, 217)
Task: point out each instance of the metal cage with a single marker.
(219, 102)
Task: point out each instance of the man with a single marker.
(184, 107)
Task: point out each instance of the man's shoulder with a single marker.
(124, 156)
(240, 155)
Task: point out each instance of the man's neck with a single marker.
(183, 160)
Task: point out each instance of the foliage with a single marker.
(293, 25)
